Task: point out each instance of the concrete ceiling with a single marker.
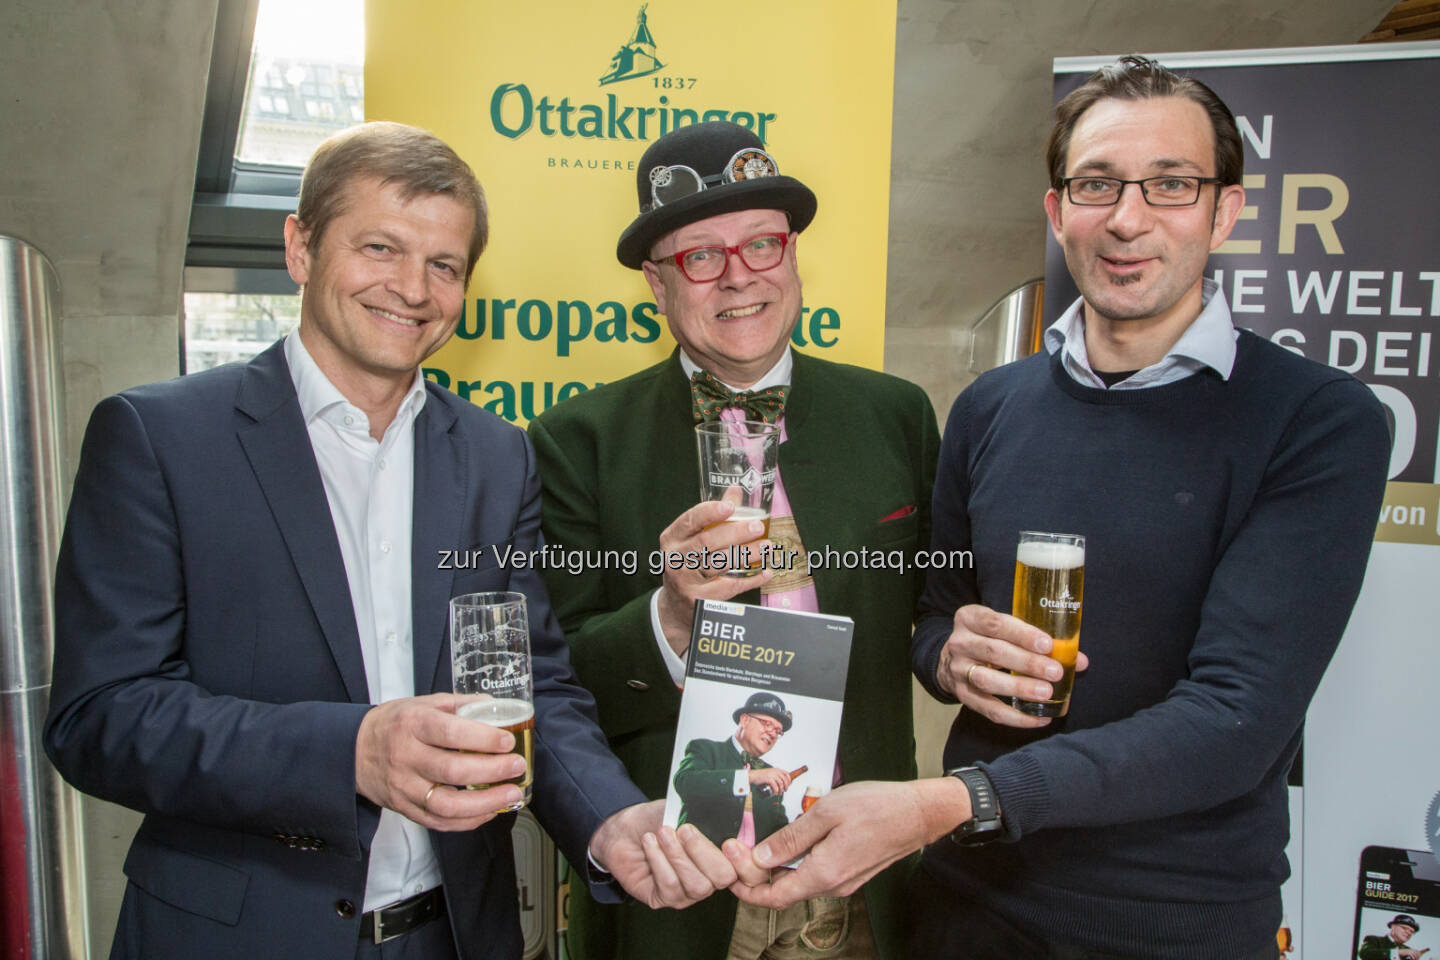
(100, 107)
(101, 112)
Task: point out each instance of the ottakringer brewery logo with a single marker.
(637, 57)
(661, 102)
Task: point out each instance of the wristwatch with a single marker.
(984, 824)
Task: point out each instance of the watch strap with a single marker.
(984, 824)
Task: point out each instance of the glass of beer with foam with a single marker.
(739, 460)
(1049, 589)
(811, 797)
(490, 665)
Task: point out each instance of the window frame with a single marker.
(237, 217)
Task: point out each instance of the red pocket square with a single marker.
(902, 512)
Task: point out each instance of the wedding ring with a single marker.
(426, 802)
(968, 683)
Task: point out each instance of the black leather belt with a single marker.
(401, 917)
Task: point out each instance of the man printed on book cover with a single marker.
(1397, 935)
(720, 782)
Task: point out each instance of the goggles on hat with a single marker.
(669, 184)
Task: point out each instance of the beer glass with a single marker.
(1049, 588)
(739, 461)
(490, 665)
(811, 797)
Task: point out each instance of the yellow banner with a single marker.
(553, 104)
(1411, 514)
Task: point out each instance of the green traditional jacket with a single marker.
(705, 782)
(618, 464)
(1377, 948)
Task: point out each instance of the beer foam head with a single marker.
(1050, 556)
(497, 713)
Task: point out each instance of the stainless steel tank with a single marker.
(41, 846)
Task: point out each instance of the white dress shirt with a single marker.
(370, 486)
(740, 786)
(1209, 341)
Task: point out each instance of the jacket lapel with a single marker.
(672, 409)
(442, 476)
(809, 470)
(278, 447)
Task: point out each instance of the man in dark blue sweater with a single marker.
(1228, 490)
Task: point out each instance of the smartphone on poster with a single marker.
(1397, 905)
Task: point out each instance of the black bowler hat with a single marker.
(767, 704)
(737, 173)
(1407, 920)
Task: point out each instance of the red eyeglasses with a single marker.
(762, 252)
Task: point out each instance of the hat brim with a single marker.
(766, 193)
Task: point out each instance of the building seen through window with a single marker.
(221, 327)
(307, 79)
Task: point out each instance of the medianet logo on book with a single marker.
(759, 718)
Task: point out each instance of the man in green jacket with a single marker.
(716, 240)
(719, 781)
(1383, 946)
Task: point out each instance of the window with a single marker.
(259, 129)
(307, 43)
(234, 314)
(221, 327)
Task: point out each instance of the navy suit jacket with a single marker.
(208, 669)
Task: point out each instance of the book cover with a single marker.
(759, 718)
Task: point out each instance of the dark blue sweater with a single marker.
(1228, 524)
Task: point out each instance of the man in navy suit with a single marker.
(251, 618)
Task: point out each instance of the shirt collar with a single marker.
(1209, 340)
(778, 376)
(318, 396)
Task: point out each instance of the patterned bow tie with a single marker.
(709, 396)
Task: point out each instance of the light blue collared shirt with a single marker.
(1209, 341)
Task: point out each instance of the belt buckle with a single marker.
(403, 916)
